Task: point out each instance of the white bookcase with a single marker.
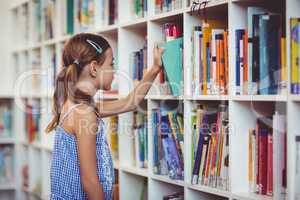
(126, 36)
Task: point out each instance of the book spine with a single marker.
(294, 56)
(297, 173)
(263, 161)
(241, 67)
(270, 165)
(245, 62)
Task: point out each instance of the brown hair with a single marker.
(77, 53)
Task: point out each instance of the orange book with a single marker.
(207, 164)
(218, 57)
(226, 60)
(220, 151)
(222, 66)
(206, 39)
(245, 57)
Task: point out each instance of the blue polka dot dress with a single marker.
(65, 170)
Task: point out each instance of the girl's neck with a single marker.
(86, 88)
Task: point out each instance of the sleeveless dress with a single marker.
(65, 171)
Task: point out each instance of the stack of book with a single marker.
(209, 60)
(168, 143)
(113, 136)
(210, 146)
(32, 116)
(140, 131)
(139, 8)
(91, 13)
(171, 76)
(260, 55)
(138, 63)
(267, 156)
(295, 55)
(6, 164)
(167, 5)
(49, 14)
(5, 121)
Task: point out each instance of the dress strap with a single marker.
(68, 112)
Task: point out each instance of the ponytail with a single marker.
(64, 88)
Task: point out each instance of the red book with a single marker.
(270, 165)
(263, 160)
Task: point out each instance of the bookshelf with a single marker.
(127, 35)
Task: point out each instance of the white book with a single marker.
(241, 67)
(252, 88)
(279, 130)
(196, 62)
(297, 177)
(136, 145)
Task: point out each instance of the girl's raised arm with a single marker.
(129, 103)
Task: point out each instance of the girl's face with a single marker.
(105, 73)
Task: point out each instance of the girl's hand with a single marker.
(157, 53)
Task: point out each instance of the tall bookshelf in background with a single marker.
(129, 29)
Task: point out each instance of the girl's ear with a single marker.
(93, 68)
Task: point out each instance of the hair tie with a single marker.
(76, 61)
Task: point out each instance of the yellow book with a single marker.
(283, 64)
(294, 55)
(250, 158)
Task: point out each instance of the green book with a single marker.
(172, 62)
(70, 17)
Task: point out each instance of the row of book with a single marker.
(167, 5)
(5, 121)
(210, 146)
(171, 76)
(260, 55)
(84, 15)
(138, 63)
(267, 156)
(6, 164)
(295, 55)
(209, 60)
(140, 132)
(33, 116)
(168, 143)
(139, 8)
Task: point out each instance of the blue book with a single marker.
(238, 36)
(155, 122)
(208, 67)
(269, 53)
(170, 151)
(198, 156)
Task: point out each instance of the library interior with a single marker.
(217, 121)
